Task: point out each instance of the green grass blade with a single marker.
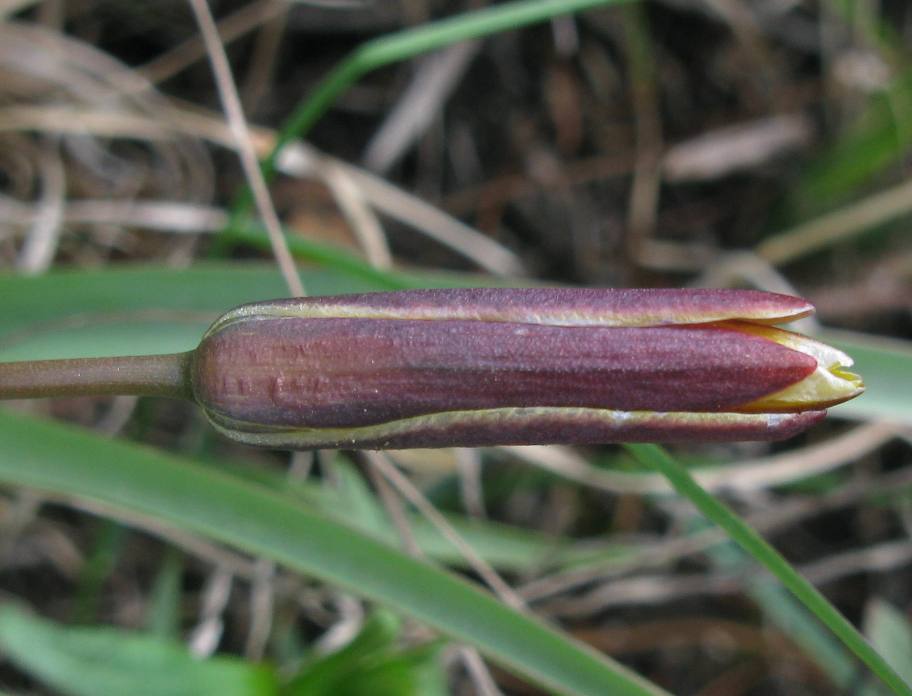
(109, 545)
(413, 42)
(163, 611)
(402, 46)
(372, 663)
(783, 610)
(91, 661)
(740, 532)
(147, 309)
(67, 461)
(878, 137)
(877, 140)
(891, 632)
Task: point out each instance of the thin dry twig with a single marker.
(300, 159)
(745, 28)
(645, 188)
(878, 558)
(882, 286)
(81, 120)
(853, 445)
(478, 671)
(44, 542)
(360, 216)
(205, 637)
(747, 475)
(120, 410)
(232, 27)
(643, 590)
(262, 600)
(395, 509)
(41, 243)
(834, 227)
(263, 61)
(658, 589)
(475, 666)
(297, 159)
(345, 628)
(424, 506)
(468, 461)
(166, 216)
(241, 133)
(643, 202)
(767, 521)
(60, 69)
(738, 147)
(435, 78)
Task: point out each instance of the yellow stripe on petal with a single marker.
(831, 383)
(525, 426)
(542, 306)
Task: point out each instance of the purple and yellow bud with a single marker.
(435, 368)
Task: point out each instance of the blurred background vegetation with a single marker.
(755, 143)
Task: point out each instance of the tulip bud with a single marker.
(434, 368)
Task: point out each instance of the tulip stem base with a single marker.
(143, 375)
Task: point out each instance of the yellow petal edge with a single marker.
(831, 383)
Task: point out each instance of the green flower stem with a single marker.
(740, 532)
(144, 375)
(403, 45)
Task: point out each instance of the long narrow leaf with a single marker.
(177, 491)
(741, 533)
(136, 310)
(94, 661)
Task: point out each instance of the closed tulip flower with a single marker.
(434, 368)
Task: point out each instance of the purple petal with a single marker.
(323, 373)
